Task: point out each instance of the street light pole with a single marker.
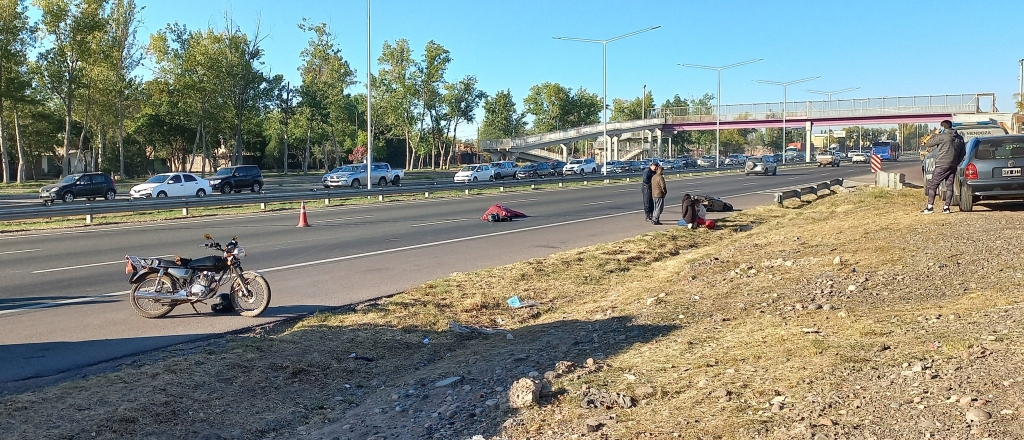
(369, 117)
(718, 98)
(604, 68)
(829, 98)
(784, 101)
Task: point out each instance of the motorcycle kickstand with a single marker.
(193, 304)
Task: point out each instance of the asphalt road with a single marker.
(62, 293)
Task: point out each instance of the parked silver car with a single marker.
(991, 170)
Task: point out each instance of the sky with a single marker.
(886, 48)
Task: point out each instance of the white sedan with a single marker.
(473, 173)
(171, 185)
(858, 157)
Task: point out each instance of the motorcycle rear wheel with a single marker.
(259, 294)
(152, 308)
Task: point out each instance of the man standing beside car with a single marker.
(645, 190)
(950, 151)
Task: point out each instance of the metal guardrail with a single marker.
(88, 210)
(807, 190)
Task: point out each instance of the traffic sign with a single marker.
(839, 133)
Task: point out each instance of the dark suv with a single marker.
(89, 186)
(237, 178)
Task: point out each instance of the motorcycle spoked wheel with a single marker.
(258, 298)
(152, 308)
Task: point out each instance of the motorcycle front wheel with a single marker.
(258, 298)
(148, 307)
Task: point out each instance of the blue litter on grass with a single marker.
(514, 301)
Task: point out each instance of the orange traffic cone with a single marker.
(302, 217)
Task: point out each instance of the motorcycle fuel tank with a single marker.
(211, 263)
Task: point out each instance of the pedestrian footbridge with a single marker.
(645, 136)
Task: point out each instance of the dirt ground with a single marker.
(853, 317)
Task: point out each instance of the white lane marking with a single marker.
(437, 223)
(19, 252)
(524, 200)
(751, 183)
(793, 178)
(454, 240)
(67, 301)
(624, 190)
(342, 219)
(598, 203)
(89, 265)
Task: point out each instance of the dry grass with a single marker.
(730, 317)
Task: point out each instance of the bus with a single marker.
(886, 150)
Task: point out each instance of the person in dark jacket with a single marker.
(645, 190)
(950, 152)
(658, 192)
(689, 212)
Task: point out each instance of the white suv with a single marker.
(580, 166)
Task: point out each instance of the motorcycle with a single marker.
(159, 285)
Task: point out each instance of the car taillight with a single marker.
(971, 173)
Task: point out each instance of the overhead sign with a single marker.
(839, 133)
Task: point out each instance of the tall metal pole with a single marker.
(718, 99)
(369, 117)
(1020, 79)
(604, 69)
(784, 145)
(784, 101)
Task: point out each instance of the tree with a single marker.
(127, 56)
(461, 99)
(501, 120)
(432, 69)
(398, 96)
(249, 88)
(15, 42)
(325, 76)
(71, 26)
(632, 109)
(550, 104)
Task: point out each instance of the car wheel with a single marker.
(225, 188)
(382, 181)
(582, 172)
(161, 194)
(397, 181)
(109, 195)
(256, 187)
(327, 186)
(966, 199)
(355, 183)
(68, 197)
(201, 193)
(490, 179)
(475, 179)
(496, 176)
(775, 172)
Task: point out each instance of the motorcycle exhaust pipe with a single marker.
(179, 295)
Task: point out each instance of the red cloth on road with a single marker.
(502, 212)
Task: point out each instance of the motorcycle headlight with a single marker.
(239, 253)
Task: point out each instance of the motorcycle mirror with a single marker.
(208, 236)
